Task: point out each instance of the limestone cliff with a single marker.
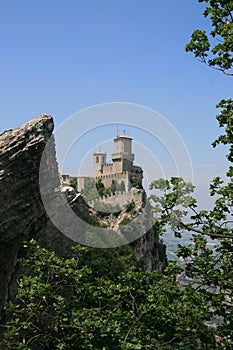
(21, 210)
(22, 213)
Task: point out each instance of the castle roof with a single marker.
(99, 153)
(122, 137)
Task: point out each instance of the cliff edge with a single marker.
(22, 213)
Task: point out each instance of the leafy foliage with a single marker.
(101, 188)
(90, 190)
(136, 182)
(216, 49)
(130, 207)
(172, 205)
(73, 183)
(66, 304)
(225, 119)
(209, 267)
(106, 191)
(113, 186)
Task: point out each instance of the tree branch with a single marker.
(189, 227)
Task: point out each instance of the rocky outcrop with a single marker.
(131, 216)
(150, 251)
(22, 212)
(21, 209)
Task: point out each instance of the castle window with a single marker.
(97, 159)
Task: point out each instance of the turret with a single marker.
(122, 157)
(99, 159)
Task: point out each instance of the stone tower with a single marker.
(122, 157)
(99, 159)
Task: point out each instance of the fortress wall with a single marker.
(119, 177)
(117, 167)
(122, 198)
(107, 169)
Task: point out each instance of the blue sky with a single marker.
(58, 57)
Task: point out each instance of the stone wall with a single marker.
(82, 181)
(121, 199)
(107, 169)
(117, 166)
(118, 177)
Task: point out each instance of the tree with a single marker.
(210, 268)
(136, 182)
(100, 187)
(73, 183)
(113, 186)
(82, 304)
(216, 48)
(130, 207)
(90, 190)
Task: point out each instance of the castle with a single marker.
(121, 170)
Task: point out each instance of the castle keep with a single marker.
(121, 170)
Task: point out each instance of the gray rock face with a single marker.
(21, 209)
(20, 152)
(150, 251)
(22, 213)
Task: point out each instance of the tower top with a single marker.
(122, 137)
(98, 153)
